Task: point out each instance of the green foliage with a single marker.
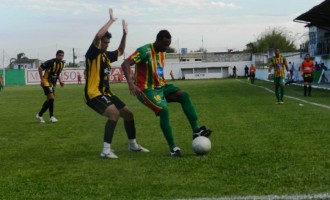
(201, 49)
(258, 148)
(274, 38)
(171, 50)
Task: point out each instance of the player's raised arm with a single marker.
(104, 29)
(122, 44)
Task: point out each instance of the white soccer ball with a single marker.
(201, 145)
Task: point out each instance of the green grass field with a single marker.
(258, 148)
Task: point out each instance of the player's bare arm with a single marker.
(122, 44)
(40, 70)
(126, 66)
(104, 29)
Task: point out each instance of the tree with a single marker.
(201, 49)
(273, 38)
(171, 50)
(20, 56)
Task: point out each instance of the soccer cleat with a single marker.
(202, 131)
(109, 154)
(281, 102)
(137, 148)
(40, 119)
(176, 152)
(53, 119)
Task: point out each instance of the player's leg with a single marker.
(129, 125)
(281, 92)
(47, 91)
(51, 99)
(155, 100)
(104, 106)
(277, 89)
(174, 94)
(310, 84)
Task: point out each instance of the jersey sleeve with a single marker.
(92, 52)
(140, 54)
(284, 60)
(112, 55)
(46, 64)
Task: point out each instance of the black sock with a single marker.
(51, 107)
(109, 131)
(130, 129)
(44, 108)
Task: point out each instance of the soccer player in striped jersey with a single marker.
(98, 94)
(49, 73)
(279, 63)
(151, 88)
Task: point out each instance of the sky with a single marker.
(39, 28)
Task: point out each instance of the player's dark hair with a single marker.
(59, 51)
(107, 35)
(163, 34)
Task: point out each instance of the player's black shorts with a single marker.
(308, 77)
(100, 103)
(48, 90)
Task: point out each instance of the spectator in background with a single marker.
(317, 66)
(307, 69)
(1, 82)
(171, 74)
(291, 65)
(79, 78)
(246, 71)
(252, 73)
(324, 68)
(234, 71)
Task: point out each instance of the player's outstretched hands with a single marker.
(112, 18)
(124, 26)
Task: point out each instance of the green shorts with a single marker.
(155, 99)
(279, 81)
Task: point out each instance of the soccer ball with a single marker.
(201, 145)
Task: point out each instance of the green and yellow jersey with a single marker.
(278, 64)
(149, 67)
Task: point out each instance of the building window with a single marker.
(312, 38)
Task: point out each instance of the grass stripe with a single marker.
(270, 197)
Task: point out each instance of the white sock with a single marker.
(106, 147)
(132, 141)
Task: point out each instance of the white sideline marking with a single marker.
(295, 98)
(270, 197)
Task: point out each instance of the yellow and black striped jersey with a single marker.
(97, 70)
(53, 69)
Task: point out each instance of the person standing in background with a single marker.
(52, 71)
(279, 63)
(252, 73)
(307, 69)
